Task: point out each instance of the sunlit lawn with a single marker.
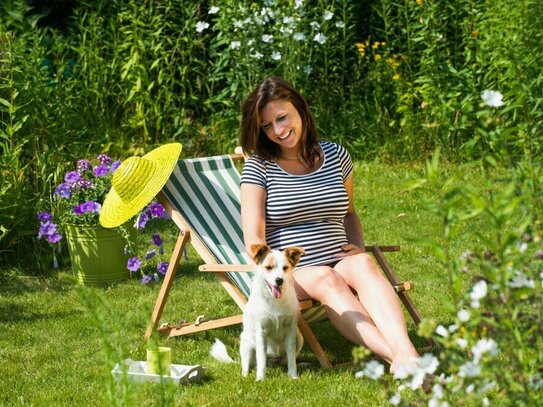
(59, 342)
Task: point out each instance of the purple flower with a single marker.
(63, 190)
(150, 254)
(100, 170)
(104, 159)
(141, 221)
(145, 279)
(47, 229)
(133, 264)
(55, 237)
(83, 165)
(156, 239)
(162, 267)
(77, 210)
(115, 165)
(156, 210)
(44, 216)
(72, 177)
(90, 206)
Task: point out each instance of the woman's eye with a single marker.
(266, 126)
(280, 119)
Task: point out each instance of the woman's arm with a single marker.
(353, 227)
(253, 215)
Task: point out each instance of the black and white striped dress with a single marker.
(305, 210)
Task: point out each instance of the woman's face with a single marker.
(282, 124)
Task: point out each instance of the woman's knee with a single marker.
(327, 280)
(359, 267)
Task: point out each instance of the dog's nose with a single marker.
(278, 281)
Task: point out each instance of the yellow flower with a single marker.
(377, 57)
(375, 45)
(396, 77)
(419, 2)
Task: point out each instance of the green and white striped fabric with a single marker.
(206, 193)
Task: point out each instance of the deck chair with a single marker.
(202, 198)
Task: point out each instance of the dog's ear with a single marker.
(293, 254)
(260, 251)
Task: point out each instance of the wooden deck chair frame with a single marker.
(186, 235)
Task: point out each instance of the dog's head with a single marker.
(275, 266)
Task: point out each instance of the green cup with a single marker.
(159, 360)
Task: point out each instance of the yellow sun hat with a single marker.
(136, 182)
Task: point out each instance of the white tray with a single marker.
(137, 372)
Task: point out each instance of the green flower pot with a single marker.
(97, 254)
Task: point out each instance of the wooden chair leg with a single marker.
(313, 343)
(404, 295)
(182, 240)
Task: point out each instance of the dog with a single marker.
(270, 317)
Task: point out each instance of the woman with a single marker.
(297, 191)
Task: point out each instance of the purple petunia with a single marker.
(145, 279)
(100, 170)
(54, 238)
(104, 159)
(47, 229)
(115, 165)
(44, 216)
(141, 221)
(150, 254)
(84, 184)
(156, 210)
(162, 267)
(87, 207)
(133, 264)
(63, 190)
(72, 177)
(156, 239)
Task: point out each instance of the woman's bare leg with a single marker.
(381, 302)
(346, 313)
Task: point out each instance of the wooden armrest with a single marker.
(382, 248)
(222, 268)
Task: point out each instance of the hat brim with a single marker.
(115, 211)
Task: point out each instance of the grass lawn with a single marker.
(59, 341)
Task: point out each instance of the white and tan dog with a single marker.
(270, 317)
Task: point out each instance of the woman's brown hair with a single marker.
(253, 138)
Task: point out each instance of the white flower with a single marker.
(328, 15)
(453, 328)
(541, 275)
(314, 25)
(442, 331)
(286, 30)
(395, 399)
(469, 369)
(523, 247)
(276, 56)
(267, 38)
(340, 24)
(299, 36)
(238, 24)
(201, 26)
(521, 280)
(470, 388)
(437, 403)
(437, 391)
(483, 346)
(427, 363)
(308, 69)
(320, 38)
(298, 3)
(462, 343)
(213, 10)
(463, 315)
(374, 370)
(288, 20)
(478, 291)
(492, 98)
(235, 44)
(256, 55)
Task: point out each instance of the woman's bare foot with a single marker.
(404, 363)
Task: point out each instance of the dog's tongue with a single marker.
(276, 291)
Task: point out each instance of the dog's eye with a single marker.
(285, 268)
(269, 268)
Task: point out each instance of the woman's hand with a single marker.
(349, 250)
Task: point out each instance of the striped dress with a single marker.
(305, 210)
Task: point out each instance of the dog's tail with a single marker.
(219, 352)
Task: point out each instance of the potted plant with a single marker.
(99, 255)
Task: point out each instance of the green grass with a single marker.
(59, 341)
